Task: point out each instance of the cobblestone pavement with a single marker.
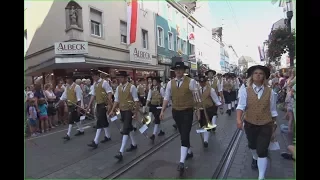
(278, 168)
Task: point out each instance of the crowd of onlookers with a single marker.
(284, 85)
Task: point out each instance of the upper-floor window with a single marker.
(140, 3)
(145, 39)
(96, 22)
(170, 41)
(191, 49)
(178, 43)
(123, 32)
(160, 36)
(184, 47)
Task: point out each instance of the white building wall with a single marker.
(204, 43)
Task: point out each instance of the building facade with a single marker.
(173, 26)
(57, 29)
(207, 48)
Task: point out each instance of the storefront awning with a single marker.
(79, 62)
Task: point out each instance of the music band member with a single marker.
(154, 100)
(227, 87)
(73, 96)
(214, 83)
(142, 93)
(126, 94)
(102, 94)
(258, 103)
(233, 93)
(210, 101)
(180, 90)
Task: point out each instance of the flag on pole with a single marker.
(261, 53)
(132, 15)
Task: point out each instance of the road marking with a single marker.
(86, 126)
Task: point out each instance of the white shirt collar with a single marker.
(256, 87)
(180, 79)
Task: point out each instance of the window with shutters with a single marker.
(123, 32)
(178, 43)
(96, 22)
(170, 41)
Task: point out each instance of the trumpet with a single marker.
(84, 110)
(200, 106)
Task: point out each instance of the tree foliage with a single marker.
(281, 41)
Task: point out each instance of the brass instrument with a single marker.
(145, 121)
(84, 110)
(200, 106)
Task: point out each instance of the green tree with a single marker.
(281, 41)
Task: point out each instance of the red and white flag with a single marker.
(132, 15)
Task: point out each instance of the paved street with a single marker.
(163, 164)
(48, 153)
(48, 157)
(278, 168)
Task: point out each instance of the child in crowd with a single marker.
(32, 118)
(43, 115)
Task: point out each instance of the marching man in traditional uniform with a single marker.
(73, 96)
(210, 101)
(258, 103)
(180, 90)
(142, 93)
(102, 93)
(126, 94)
(227, 88)
(214, 83)
(155, 98)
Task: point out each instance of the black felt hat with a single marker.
(179, 65)
(265, 69)
(202, 78)
(122, 74)
(94, 72)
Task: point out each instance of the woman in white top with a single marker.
(51, 99)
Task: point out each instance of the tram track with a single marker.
(221, 171)
(94, 152)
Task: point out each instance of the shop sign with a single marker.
(192, 58)
(194, 66)
(71, 48)
(138, 55)
(164, 60)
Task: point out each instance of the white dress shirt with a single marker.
(105, 85)
(220, 85)
(192, 87)
(77, 90)
(213, 95)
(242, 104)
(133, 91)
(150, 93)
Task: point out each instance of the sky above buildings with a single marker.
(246, 24)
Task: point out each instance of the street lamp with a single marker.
(289, 17)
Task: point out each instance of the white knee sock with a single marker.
(214, 120)
(80, 127)
(262, 166)
(124, 142)
(189, 150)
(236, 102)
(183, 153)
(206, 136)
(133, 141)
(232, 104)
(96, 139)
(106, 132)
(155, 129)
(150, 114)
(229, 106)
(254, 154)
(69, 129)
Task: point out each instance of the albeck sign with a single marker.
(71, 47)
